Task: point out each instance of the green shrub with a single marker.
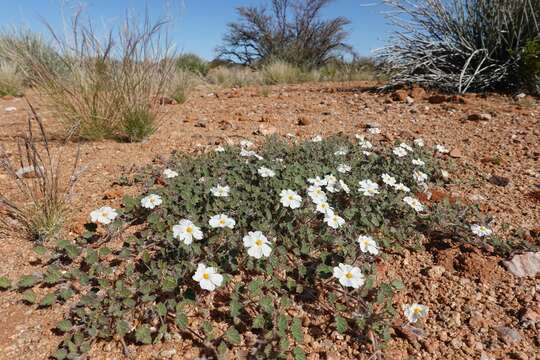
(181, 84)
(193, 63)
(143, 287)
(529, 66)
(11, 82)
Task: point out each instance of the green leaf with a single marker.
(91, 257)
(284, 343)
(60, 354)
(233, 336)
(181, 319)
(27, 281)
(169, 284)
(40, 250)
(66, 294)
(398, 284)
(254, 287)
(299, 354)
(143, 335)
(64, 326)
(258, 322)
(267, 304)
(208, 328)
(48, 300)
(341, 324)
(234, 307)
(296, 330)
(122, 328)
(282, 323)
(5, 283)
(29, 296)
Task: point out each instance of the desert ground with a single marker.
(478, 309)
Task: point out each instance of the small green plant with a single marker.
(138, 123)
(44, 184)
(529, 67)
(242, 248)
(280, 72)
(181, 84)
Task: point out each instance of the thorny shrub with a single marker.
(238, 247)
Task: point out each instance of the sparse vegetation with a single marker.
(464, 45)
(11, 82)
(44, 182)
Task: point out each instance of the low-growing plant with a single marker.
(234, 76)
(192, 63)
(44, 183)
(245, 248)
(280, 72)
(181, 84)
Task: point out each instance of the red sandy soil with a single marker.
(478, 310)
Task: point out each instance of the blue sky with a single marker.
(198, 24)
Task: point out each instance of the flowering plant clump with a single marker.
(243, 251)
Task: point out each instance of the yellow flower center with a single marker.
(417, 310)
(258, 242)
(348, 275)
(104, 214)
(221, 222)
(206, 276)
(291, 197)
(189, 229)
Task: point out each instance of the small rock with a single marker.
(479, 117)
(399, 95)
(303, 121)
(520, 95)
(164, 100)
(436, 271)
(372, 125)
(437, 99)
(499, 180)
(508, 335)
(527, 264)
(201, 122)
(409, 100)
(266, 129)
(417, 93)
(10, 109)
(29, 172)
(167, 354)
(531, 316)
(455, 153)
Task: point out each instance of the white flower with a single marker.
(341, 152)
(343, 168)
(246, 143)
(290, 199)
(388, 179)
(316, 138)
(374, 130)
(257, 244)
(480, 230)
(249, 153)
(207, 277)
(406, 147)
(169, 174)
(151, 201)
(219, 149)
(415, 311)
(418, 162)
(401, 187)
(367, 153)
(266, 172)
(368, 187)
(186, 231)
(317, 181)
(419, 142)
(221, 221)
(333, 220)
(331, 182)
(441, 149)
(324, 208)
(349, 276)
(367, 244)
(419, 176)
(399, 151)
(220, 191)
(364, 144)
(414, 203)
(316, 194)
(344, 186)
(104, 215)
(445, 174)
(280, 160)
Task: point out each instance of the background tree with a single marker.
(289, 30)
